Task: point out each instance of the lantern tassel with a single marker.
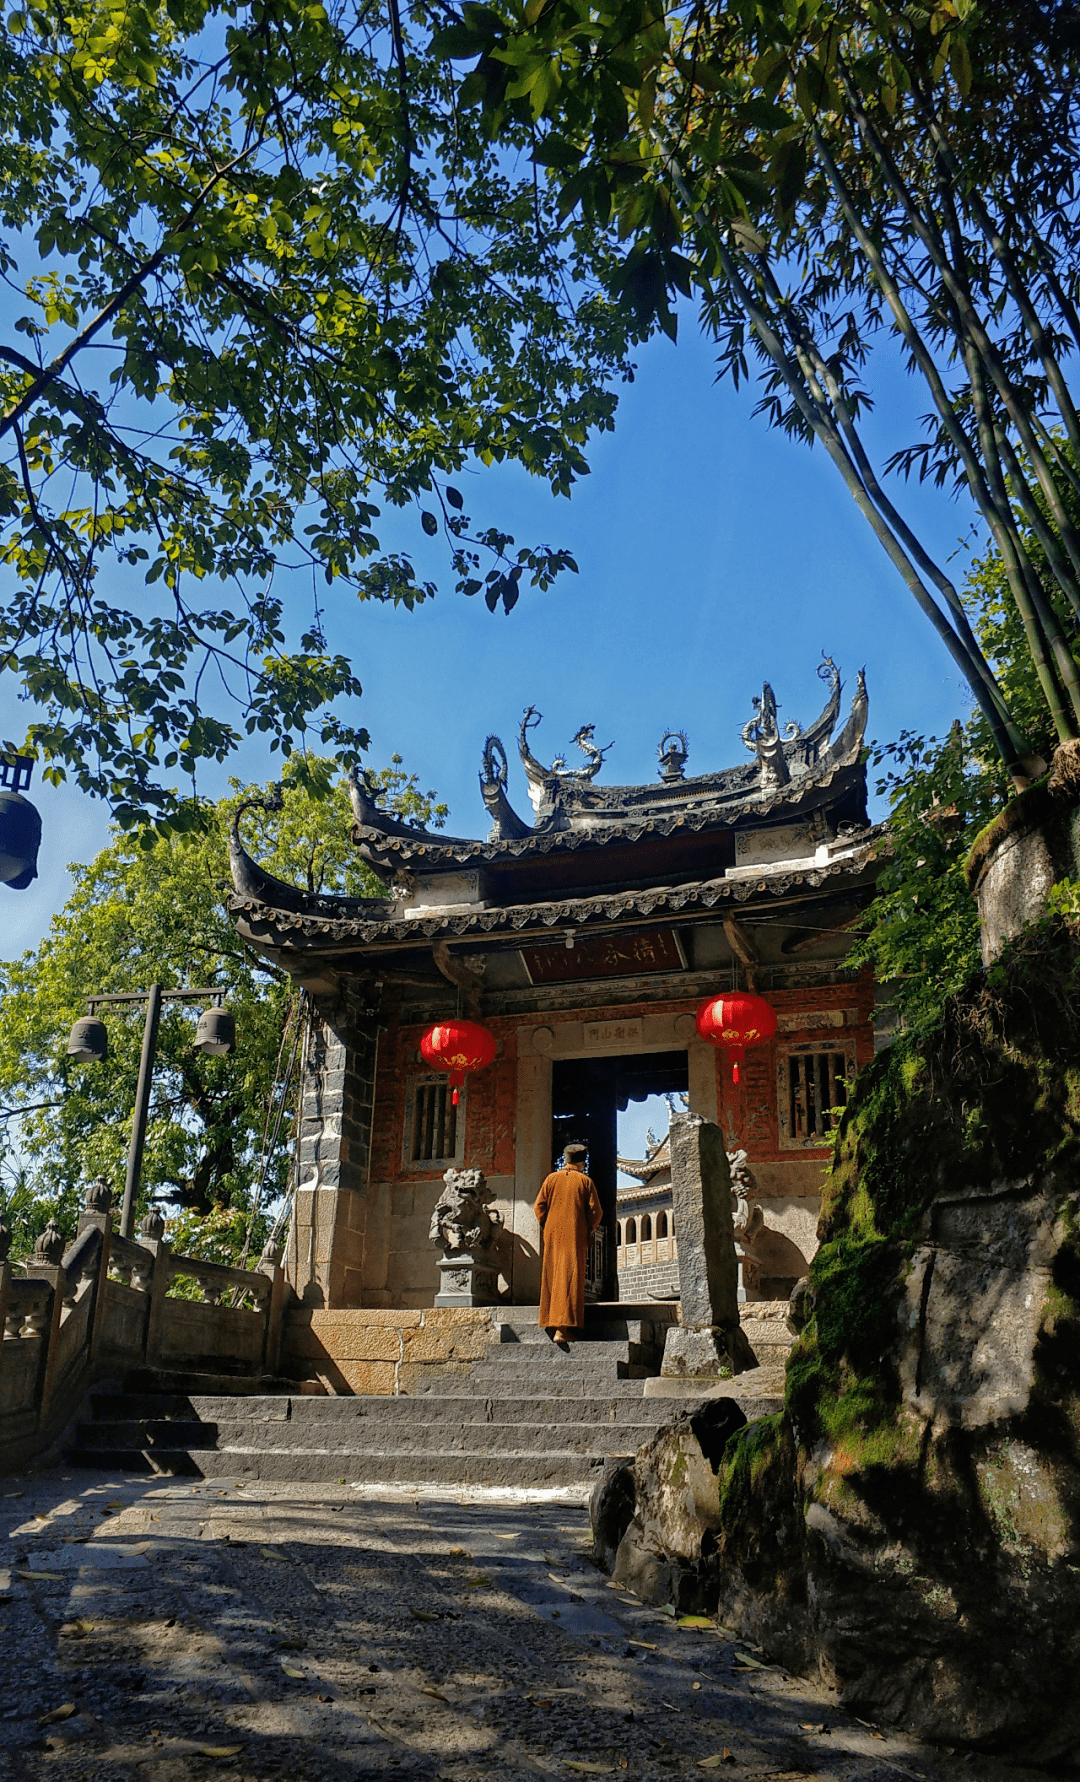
(454, 1098)
(734, 1073)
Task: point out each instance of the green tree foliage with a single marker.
(924, 937)
(155, 913)
(265, 281)
(823, 177)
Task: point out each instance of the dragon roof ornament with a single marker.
(794, 770)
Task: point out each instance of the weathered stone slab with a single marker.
(709, 1342)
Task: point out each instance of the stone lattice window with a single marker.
(812, 1088)
(434, 1123)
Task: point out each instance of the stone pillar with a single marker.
(709, 1340)
(324, 1261)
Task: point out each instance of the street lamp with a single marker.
(214, 1035)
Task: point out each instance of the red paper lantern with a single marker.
(459, 1047)
(736, 1021)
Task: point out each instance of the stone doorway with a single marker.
(587, 1095)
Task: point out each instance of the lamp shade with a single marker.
(20, 838)
(458, 1047)
(736, 1021)
(216, 1033)
(89, 1042)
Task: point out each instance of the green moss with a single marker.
(994, 1087)
(748, 1457)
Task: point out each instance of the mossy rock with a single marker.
(909, 1528)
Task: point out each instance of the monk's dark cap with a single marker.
(574, 1151)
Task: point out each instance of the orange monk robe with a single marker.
(568, 1210)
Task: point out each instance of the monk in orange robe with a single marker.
(568, 1211)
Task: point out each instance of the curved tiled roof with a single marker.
(310, 925)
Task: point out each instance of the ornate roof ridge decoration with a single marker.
(572, 811)
(252, 882)
(342, 924)
(658, 1157)
(387, 852)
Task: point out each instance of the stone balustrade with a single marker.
(104, 1305)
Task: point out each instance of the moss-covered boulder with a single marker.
(910, 1527)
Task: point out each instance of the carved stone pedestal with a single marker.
(468, 1278)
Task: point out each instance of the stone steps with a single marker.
(393, 1435)
(302, 1411)
(527, 1415)
(317, 1466)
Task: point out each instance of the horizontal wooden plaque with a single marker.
(630, 955)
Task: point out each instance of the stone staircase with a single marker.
(528, 1414)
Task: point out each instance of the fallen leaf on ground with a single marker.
(326, 1698)
(590, 1769)
(64, 1712)
(478, 1583)
(290, 1670)
(668, 1609)
(37, 1574)
(423, 1615)
(713, 1763)
(877, 1735)
(437, 1693)
(219, 1750)
(647, 1645)
(695, 1621)
(817, 1726)
(754, 1664)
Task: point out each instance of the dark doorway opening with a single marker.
(587, 1095)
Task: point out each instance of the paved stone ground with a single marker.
(165, 1630)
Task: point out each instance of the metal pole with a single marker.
(142, 1109)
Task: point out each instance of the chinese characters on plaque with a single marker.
(633, 954)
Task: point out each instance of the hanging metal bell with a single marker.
(20, 838)
(216, 1032)
(89, 1041)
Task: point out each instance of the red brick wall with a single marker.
(747, 1112)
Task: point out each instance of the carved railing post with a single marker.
(5, 1284)
(48, 1266)
(152, 1238)
(280, 1294)
(97, 1213)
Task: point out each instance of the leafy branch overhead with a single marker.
(822, 178)
(266, 285)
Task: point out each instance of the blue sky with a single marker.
(713, 554)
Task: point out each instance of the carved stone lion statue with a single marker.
(461, 1219)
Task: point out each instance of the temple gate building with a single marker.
(584, 940)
